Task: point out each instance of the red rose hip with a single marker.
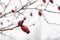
(25, 29)
(20, 23)
(58, 7)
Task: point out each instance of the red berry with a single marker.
(40, 13)
(58, 7)
(51, 1)
(24, 18)
(30, 14)
(44, 1)
(13, 11)
(25, 29)
(20, 23)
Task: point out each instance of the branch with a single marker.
(3, 29)
(23, 7)
(49, 22)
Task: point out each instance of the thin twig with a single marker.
(8, 29)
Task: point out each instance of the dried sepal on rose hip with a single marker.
(44, 1)
(58, 7)
(25, 29)
(40, 13)
(51, 1)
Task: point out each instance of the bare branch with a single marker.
(3, 29)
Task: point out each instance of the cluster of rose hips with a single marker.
(23, 27)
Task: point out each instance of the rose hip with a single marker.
(25, 29)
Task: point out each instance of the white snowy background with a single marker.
(41, 30)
